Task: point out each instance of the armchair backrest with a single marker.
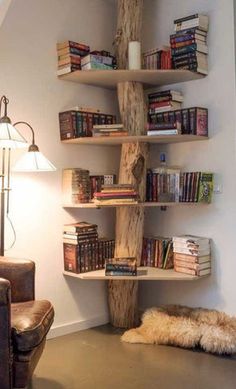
(21, 274)
(5, 334)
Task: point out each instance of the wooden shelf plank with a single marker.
(147, 204)
(144, 274)
(106, 140)
(110, 78)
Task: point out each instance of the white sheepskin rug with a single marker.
(176, 325)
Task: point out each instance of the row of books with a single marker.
(116, 194)
(192, 121)
(157, 252)
(157, 59)
(192, 255)
(196, 187)
(85, 257)
(79, 122)
(189, 43)
(173, 186)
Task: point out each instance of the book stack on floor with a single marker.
(69, 56)
(109, 130)
(196, 187)
(75, 186)
(97, 181)
(157, 252)
(116, 194)
(83, 250)
(102, 60)
(192, 121)
(121, 267)
(162, 120)
(189, 43)
(192, 255)
(157, 59)
(79, 122)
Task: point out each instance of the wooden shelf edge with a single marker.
(149, 78)
(96, 141)
(153, 274)
(147, 204)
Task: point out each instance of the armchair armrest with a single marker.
(5, 334)
(20, 273)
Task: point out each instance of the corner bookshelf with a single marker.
(149, 78)
(146, 204)
(144, 274)
(109, 79)
(119, 140)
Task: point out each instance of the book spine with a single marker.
(184, 50)
(67, 123)
(174, 38)
(186, 18)
(185, 121)
(70, 258)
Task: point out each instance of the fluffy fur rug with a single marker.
(213, 331)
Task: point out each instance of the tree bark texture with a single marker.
(123, 295)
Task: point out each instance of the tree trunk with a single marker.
(122, 295)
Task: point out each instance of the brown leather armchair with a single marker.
(24, 323)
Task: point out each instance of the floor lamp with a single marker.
(32, 161)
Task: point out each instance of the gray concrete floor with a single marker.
(95, 358)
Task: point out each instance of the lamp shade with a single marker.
(33, 161)
(10, 137)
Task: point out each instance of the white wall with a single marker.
(218, 220)
(28, 64)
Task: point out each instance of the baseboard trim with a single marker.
(69, 328)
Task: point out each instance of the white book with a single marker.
(173, 131)
(191, 251)
(191, 239)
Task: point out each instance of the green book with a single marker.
(205, 189)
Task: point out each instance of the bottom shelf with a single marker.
(144, 274)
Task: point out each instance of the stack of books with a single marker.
(157, 58)
(79, 122)
(189, 43)
(157, 252)
(116, 194)
(109, 130)
(80, 232)
(69, 56)
(196, 187)
(192, 121)
(98, 60)
(97, 181)
(192, 255)
(75, 186)
(121, 267)
(160, 103)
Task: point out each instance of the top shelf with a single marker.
(110, 78)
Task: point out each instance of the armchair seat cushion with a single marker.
(30, 322)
